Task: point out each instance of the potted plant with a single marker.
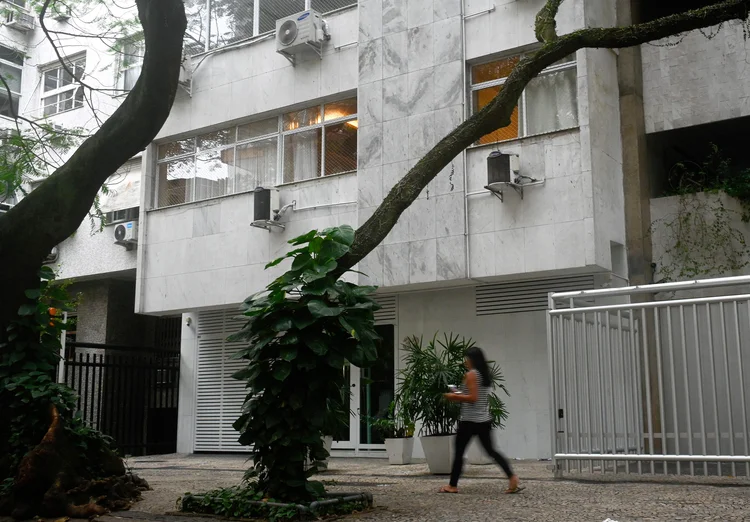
(398, 432)
(430, 369)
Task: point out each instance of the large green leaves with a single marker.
(302, 330)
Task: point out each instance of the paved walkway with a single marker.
(409, 493)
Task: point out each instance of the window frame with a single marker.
(523, 123)
(138, 40)
(19, 67)
(74, 86)
(279, 134)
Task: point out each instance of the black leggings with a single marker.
(466, 431)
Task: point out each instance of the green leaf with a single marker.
(283, 324)
(301, 262)
(318, 346)
(305, 238)
(320, 309)
(27, 309)
(333, 250)
(288, 353)
(281, 370)
(343, 234)
(275, 262)
(34, 293)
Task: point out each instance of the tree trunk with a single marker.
(53, 212)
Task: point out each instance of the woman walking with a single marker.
(476, 419)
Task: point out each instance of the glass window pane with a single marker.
(8, 106)
(11, 55)
(197, 26)
(50, 105)
(175, 184)
(326, 6)
(341, 148)
(231, 21)
(257, 129)
(303, 118)
(494, 70)
(272, 10)
(336, 110)
(302, 155)
(256, 164)
(79, 68)
(216, 139)
(213, 170)
(176, 148)
(552, 102)
(67, 79)
(480, 99)
(12, 75)
(65, 101)
(50, 80)
(131, 77)
(79, 97)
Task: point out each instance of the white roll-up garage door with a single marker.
(219, 397)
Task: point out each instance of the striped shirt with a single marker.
(478, 411)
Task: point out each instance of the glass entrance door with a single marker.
(372, 390)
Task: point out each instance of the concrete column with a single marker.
(188, 382)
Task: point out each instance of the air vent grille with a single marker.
(525, 296)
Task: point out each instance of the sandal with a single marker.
(515, 490)
(448, 489)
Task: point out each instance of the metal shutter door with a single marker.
(219, 398)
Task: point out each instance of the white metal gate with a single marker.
(653, 386)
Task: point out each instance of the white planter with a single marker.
(399, 450)
(322, 465)
(439, 453)
(476, 455)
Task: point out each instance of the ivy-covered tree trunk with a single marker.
(53, 465)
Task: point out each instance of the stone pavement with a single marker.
(409, 493)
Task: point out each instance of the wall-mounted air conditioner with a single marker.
(18, 20)
(266, 209)
(126, 234)
(301, 33)
(5, 207)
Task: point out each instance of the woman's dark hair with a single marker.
(476, 356)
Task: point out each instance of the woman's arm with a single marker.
(471, 384)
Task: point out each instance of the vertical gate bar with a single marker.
(699, 367)
(626, 432)
(714, 381)
(564, 392)
(636, 382)
(722, 314)
(150, 384)
(122, 402)
(78, 387)
(610, 363)
(85, 414)
(660, 377)
(683, 334)
(670, 346)
(131, 410)
(576, 366)
(741, 367)
(647, 377)
(589, 407)
(738, 340)
(600, 394)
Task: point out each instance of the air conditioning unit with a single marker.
(501, 168)
(299, 33)
(15, 19)
(266, 209)
(52, 256)
(126, 234)
(5, 207)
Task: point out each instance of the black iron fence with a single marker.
(128, 393)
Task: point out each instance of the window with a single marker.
(131, 61)
(61, 91)
(218, 23)
(121, 216)
(549, 103)
(11, 69)
(320, 140)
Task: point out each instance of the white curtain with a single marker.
(302, 155)
(552, 102)
(212, 173)
(256, 165)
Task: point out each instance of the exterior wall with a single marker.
(516, 342)
(696, 80)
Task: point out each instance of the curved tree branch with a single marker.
(497, 113)
(52, 212)
(545, 25)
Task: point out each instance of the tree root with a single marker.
(53, 482)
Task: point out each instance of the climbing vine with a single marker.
(703, 237)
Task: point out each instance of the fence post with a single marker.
(61, 364)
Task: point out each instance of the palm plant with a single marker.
(430, 369)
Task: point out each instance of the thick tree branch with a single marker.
(545, 25)
(27, 232)
(497, 113)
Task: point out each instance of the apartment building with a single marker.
(332, 110)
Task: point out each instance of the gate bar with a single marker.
(665, 458)
(652, 304)
(656, 288)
